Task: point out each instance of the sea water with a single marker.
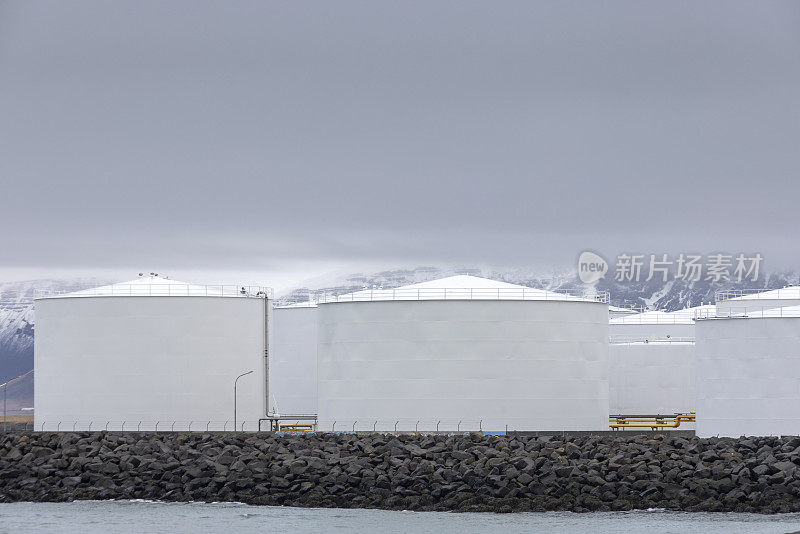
(88, 517)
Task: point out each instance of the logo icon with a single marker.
(591, 267)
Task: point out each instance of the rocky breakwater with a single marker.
(461, 473)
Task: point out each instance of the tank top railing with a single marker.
(161, 290)
(742, 312)
(789, 292)
(635, 340)
(650, 318)
(369, 295)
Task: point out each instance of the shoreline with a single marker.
(457, 473)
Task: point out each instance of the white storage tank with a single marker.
(649, 377)
(463, 353)
(293, 361)
(742, 302)
(655, 325)
(748, 374)
(150, 354)
(652, 362)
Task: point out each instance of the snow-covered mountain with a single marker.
(16, 332)
(16, 329)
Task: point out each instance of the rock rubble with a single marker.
(414, 472)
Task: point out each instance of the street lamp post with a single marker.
(235, 382)
(5, 386)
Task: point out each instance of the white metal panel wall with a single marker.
(148, 359)
(748, 377)
(651, 378)
(293, 365)
(531, 365)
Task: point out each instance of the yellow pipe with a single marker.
(689, 418)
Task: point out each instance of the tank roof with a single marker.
(462, 287)
(464, 281)
(617, 309)
(158, 286)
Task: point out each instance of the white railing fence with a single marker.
(630, 340)
(790, 292)
(733, 312)
(369, 295)
(652, 318)
(162, 290)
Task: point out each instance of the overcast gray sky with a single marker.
(295, 136)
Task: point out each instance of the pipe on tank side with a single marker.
(266, 353)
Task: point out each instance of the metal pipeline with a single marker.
(653, 422)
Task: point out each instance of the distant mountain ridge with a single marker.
(17, 313)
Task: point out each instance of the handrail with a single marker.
(629, 340)
(652, 318)
(467, 293)
(755, 294)
(744, 312)
(161, 290)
